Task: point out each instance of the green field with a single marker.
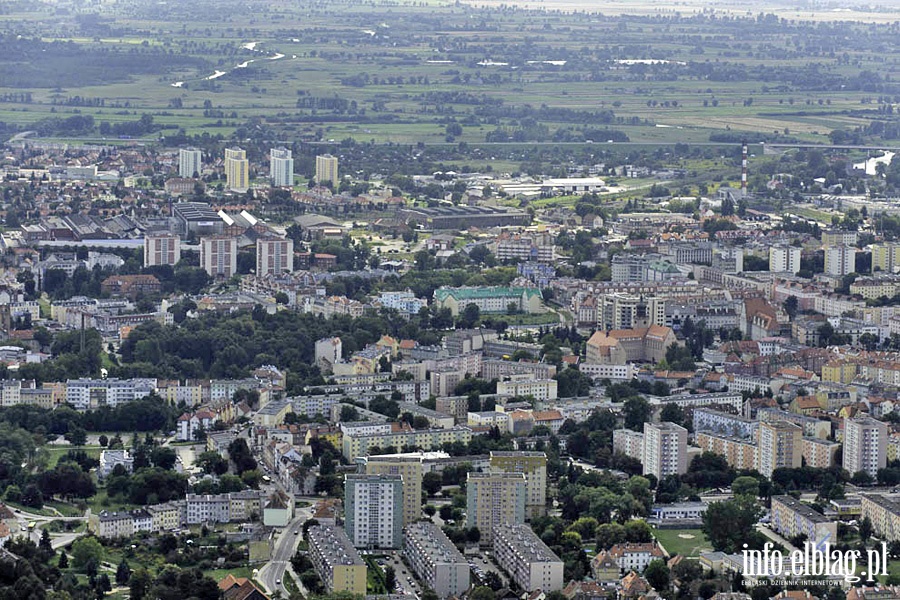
(810, 213)
(403, 71)
(65, 509)
(675, 541)
(100, 501)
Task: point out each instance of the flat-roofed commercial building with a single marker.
(462, 217)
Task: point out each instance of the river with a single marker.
(252, 47)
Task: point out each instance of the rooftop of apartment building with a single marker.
(334, 545)
(433, 541)
(526, 542)
(802, 509)
(518, 454)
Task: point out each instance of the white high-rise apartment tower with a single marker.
(281, 167)
(865, 445)
(190, 162)
(373, 510)
(784, 259)
(665, 449)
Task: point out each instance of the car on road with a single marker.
(277, 582)
(296, 532)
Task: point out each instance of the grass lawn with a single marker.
(100, 501)
(105, 361)
(547, 318)
(219, 574)
(375, 583)
(65, 509)
(676, 541)
(137, 556)
(810, 213)
(290, 583)
(44, 305)
(54, 453)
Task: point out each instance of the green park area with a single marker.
(686, 542)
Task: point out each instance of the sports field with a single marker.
(686, 542)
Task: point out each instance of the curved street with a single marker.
(271, 575)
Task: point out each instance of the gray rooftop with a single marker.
(428, 536)
(526, 542)
(273, 407)
(334, 546)
(802, 509)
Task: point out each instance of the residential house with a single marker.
(240, 588)
(636, 556)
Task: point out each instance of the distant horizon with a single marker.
(826, 11)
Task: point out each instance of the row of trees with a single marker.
(145, 415)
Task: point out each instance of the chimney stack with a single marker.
(744, 154)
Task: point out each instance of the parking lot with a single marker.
(407, 583)
(484, 564)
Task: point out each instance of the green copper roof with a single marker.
(472, 293)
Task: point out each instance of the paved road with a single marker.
(64, 539)
(271, 575)
(57, 540)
